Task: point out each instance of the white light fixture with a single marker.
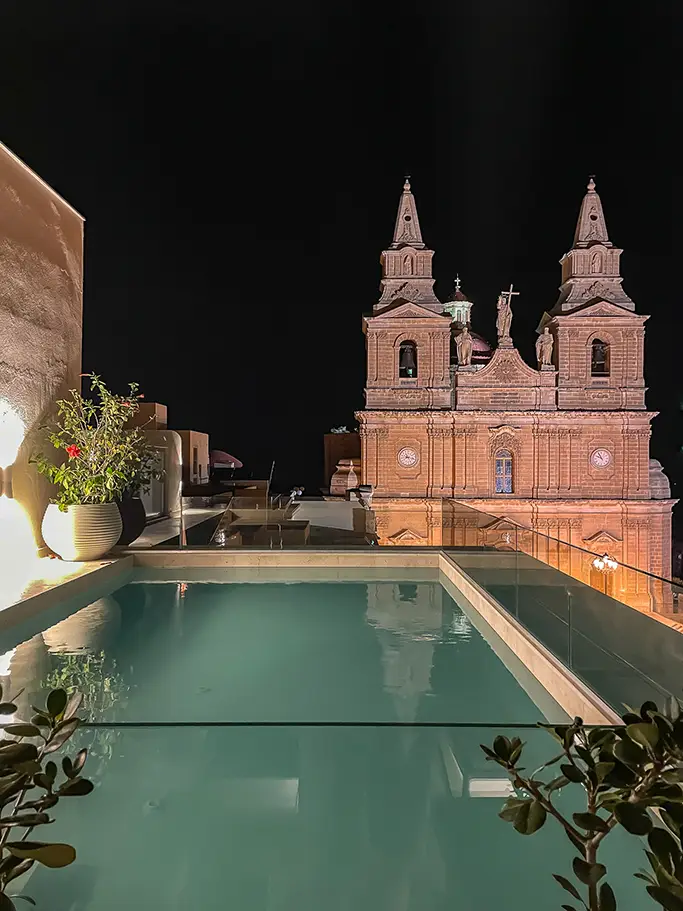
(605, 564)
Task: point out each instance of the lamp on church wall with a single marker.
(606, 566)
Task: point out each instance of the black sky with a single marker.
(239, 167)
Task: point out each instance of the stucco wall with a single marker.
(192, 439)
(41, 306)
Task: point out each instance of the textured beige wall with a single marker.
(41, 307)
(192, 438)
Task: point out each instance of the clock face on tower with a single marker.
(601, 458)
(408, 458)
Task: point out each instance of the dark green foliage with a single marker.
(29, 787)
(632, 777)
(101, 457)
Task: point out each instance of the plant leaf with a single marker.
(77, 787)
(26, 820)
(644, 734)
(530, 817)
(556, 783)
(511, 808)
(22, 730)
(607, 898)
(590, 822)
(73, 705)
(589, 874)
(57, 702)
(567, 886)
(25, 898)
(49, 855)
(602, 769)
(633, 818)
(60, 737)
(665, 898)
(664, 846)
(7, 708)
(572, 773)
(79, 761)
(502, 747)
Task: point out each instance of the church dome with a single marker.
(481, 350)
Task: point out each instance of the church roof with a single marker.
(457, 295)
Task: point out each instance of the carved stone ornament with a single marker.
(406, 291)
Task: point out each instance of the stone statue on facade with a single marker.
(463, 344)
(504, 318)
(544, 348)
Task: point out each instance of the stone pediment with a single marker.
(406, 536)
(403, 309)
(601, 539)
(506, 368)
(501, 524)
(601, 307)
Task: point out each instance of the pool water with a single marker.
(290, 747)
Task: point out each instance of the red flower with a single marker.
(73, 451)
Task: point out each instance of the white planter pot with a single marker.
(82, 532)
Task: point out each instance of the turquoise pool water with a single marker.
(289, 747)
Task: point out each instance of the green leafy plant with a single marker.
(105, 458)
(26, 769)
(631, 777)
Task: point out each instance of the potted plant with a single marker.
(131, 507)
(105, 460)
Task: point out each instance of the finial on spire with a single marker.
(591, 183)
(406, 185)
(457, 283)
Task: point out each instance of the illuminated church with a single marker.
(561, 448)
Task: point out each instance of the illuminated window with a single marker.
(503, 471)
(407, 360)
(599, 358)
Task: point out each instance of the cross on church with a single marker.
(509, 294)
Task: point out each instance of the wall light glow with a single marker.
(12, 433)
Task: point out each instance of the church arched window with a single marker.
(503, 471)
(407, 361)
(599, 358)
(407, 264)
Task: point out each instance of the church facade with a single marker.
(561, 448)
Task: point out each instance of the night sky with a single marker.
(239, 166)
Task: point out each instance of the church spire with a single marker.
(591, 228)
(407, 231)
(407, 264)
(590, 270)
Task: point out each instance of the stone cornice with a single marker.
(547, 417)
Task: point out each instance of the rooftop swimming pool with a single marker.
(293, 746)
